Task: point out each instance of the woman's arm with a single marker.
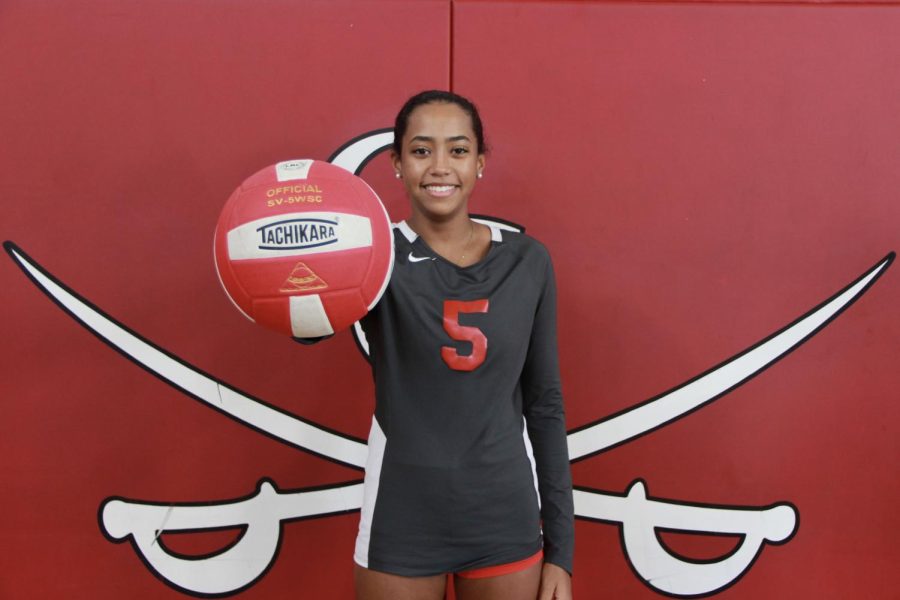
(546, 422)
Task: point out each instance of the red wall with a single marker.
(703, 174)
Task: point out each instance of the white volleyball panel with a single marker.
(308, 317)
(299, 234)
(290, 170)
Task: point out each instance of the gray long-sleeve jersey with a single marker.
(465, 362)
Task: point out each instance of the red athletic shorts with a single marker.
(506, 569)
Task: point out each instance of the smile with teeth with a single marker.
(439, 190)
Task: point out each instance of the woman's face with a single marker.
(439, 161)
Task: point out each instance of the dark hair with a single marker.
(432, 96)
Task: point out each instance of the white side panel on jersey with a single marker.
(299, 234)
(530, 452)
(377, 442)
(308, 318)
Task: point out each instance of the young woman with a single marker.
(463, 348)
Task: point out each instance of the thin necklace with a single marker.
(468, 241)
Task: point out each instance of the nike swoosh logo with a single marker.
(418, 258)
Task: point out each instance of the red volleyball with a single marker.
(304, 247)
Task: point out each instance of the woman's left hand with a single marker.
(556, 584)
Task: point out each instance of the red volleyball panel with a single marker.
(303, 228)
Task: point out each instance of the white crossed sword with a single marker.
(261, 515)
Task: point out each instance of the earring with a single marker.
(480, 175)
(397, 174)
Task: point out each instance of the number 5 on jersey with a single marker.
(464, 333)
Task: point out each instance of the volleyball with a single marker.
(304, 248)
